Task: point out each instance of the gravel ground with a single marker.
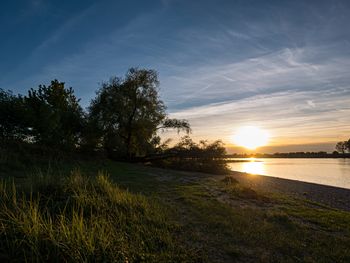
(328, 195)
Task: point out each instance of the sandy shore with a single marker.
(329, 195)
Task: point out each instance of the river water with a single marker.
(327, 171)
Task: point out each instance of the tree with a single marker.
(55, 116)
(341, 147)
(347, 145)
(187, 147)
(129, 113)
(202, 156)
(12, 117)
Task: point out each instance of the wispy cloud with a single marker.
(287, 69)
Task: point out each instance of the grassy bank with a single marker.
(77, 218)
(145, 214)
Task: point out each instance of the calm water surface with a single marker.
(335, 172)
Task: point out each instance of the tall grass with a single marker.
(81, 219)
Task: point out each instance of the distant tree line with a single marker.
(320, 154)
(123, 120)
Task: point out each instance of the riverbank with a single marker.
(332, 196)
(154, 214)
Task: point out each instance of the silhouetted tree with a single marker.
(13, 123)
(129, 113)
(55, 116)
(347, 145)
(186, 146)
(341, 147)
(189, 155)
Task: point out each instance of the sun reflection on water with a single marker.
(253, 167)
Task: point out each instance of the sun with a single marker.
(251, 137)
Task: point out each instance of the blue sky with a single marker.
(279, 65)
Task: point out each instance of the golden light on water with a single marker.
(251, 137)
(253, 167)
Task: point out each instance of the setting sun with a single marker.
(251, 137)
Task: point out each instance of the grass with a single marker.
(74, 213)
(81, 219)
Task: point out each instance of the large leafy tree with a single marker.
(128, 113)
(55, 116)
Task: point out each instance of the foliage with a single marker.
(129, 112)
(177, 124)
(55, 115)
(12, 117)
(202, 157)
(188, 147)
(342, 147)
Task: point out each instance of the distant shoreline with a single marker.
(291, 156)
(249, 159)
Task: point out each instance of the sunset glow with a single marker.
(251, 137)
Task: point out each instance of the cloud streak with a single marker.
(285, 69)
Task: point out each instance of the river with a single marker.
(327, 171)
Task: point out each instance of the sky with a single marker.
(282, 66)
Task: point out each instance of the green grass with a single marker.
(82, 219)
(75, 213)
